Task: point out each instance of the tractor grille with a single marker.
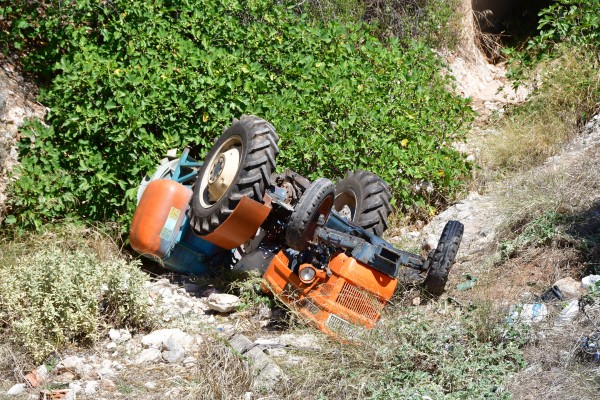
(360, 302)
(310, 307)
(325, 289)
(340, 326)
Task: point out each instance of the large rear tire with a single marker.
(443, 258)
(239, 164)
(317, 200)
(364, 198)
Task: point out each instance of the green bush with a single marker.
(571, 22)
(137, 78)
(434, 21)
(54, 292)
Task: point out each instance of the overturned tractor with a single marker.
(319, 244)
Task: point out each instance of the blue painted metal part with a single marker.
(191, 254)
(186, 163)
(188, 253)
(336, 222)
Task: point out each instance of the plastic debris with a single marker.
(567, 314)
(469, 283)
(591, 345)
(590, 281)
(528, 313)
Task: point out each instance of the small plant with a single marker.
(60, 291)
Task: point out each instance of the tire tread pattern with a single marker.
(443, 258)
(373, 200)
(252, 180)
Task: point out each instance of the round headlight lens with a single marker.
(307, 274)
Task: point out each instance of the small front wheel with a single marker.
(443, 258)
(317, 200)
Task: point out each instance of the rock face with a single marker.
(17, 104)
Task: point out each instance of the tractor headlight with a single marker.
(307, 273)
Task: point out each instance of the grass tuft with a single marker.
(566, 98)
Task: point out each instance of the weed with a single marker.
(440, 352)
(55, 290)
(566, 98)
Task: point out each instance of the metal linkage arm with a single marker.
(384, 259)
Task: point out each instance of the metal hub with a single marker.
(221, 172)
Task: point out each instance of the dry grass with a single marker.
(219, 374)
(567, 187)
(434, 349)
(569, 88)
(556, 368)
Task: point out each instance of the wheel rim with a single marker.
(345, 204)
(220, 172)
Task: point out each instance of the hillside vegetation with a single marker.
(127, 81)
(348, 84)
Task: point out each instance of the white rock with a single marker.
(276, 352)
(90, 388)
(166, 293)
(150, 385)
(114, 335)
(174, 352)
(111, 346)
(75, 387)
(429, 243)
(158, 339)
(569, 287)
(106, 369)
(125, 336)
(42, 371)
(223, 302)
(148, 355)
(589, 281)
(73, 364)
(16, 389)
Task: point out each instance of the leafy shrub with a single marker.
(61, 291)
(137, 78)
(572, 22)
(434, 21)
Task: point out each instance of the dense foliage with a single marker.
(434, 21)
(570, 22)
(129, 80)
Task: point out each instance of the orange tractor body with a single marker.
(351, 295)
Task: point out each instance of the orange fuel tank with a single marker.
(158, 217)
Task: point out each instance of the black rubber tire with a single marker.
(258, 141)
(316, 200)
(368, 197)
(443, 258)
